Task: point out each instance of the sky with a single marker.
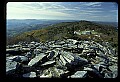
(91, 11)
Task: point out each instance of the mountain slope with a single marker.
(18, 26)
(66, 30)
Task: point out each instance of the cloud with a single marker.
(89, 12)
(98, 5)
(48, 6)
(98, 16)
(42, 9)
(29, 11)
(113, 11)
(93, 4)
(94, 8)
(94, 11)
(60, 10)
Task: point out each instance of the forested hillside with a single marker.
(66, 30)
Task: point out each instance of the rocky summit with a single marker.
(62, 59)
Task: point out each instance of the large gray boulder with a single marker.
(22, 58)
(93, 73)
(77, 63)
(114, 72)
(11, 66)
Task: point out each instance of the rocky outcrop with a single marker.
(68, 58)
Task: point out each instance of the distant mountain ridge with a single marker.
(18, 23)
(17, 26)
(115, 24)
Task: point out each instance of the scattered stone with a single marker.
(68, 58)
(30, 75)
(79, 74)
(11, 66)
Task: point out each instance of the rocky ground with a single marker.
(62, 59)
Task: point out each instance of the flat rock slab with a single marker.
(63, 60)
(36, 60)
(13, 51)
(18, 58)
(68, 55)
(48, 63)
(30, 75)
(79, 74)
(11, 57)
(56, 46)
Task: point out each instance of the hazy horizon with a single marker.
(61, 19)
